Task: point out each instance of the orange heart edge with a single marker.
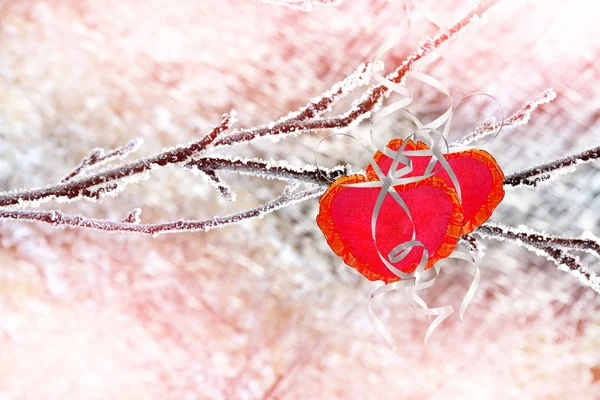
(495, 196)
(325, 223)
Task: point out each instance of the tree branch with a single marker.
(533, 238)
(571, 264)
(552, 247)
(523, 177)
(98, 157)
(369, 102)
(521, 117)
(218, 184)
(60, 219)
(79, 188)
(270, 169)
(474, 245)
(328, 99)
(76, 188)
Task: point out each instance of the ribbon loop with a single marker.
(435, 135)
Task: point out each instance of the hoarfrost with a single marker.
(585, 275)
(519, 118)
(216, 182)
(134, 216)
(589, 235)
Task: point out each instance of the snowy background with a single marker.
(264, 310)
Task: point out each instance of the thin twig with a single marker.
(534, 182)
(134, 216)
(220, 186)
(474, 245)
(571, 264)
(60, 219)
(270, 169)
(530, 237)
(328, 99)
(521, 177)
(76, 188)
(227, 120)
(552, 248)
(370, 101)
(521, 117)
(98, 157)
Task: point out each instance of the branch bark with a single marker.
(525, 176)
(60, 219)
(552, 247)
(530, 237)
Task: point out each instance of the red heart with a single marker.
(345, 219)
(481, 179)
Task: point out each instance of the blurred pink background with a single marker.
(264, 310)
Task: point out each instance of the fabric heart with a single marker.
(345, 219)
(481, 179)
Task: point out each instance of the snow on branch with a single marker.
(528, 236)
(324, 103)
(98, 157)
(571, 264)
(554, 248)
(218, 183)
(474, 245)
(270, 169)
(542, 172)
(521, 117)
(83, 187)
(369, 102)
(131, 223)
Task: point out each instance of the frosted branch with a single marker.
(532, 176)
(528, 236)
(370, 101)
(60, 219)
(519, 118)
(328, 99)
(134, 216)
(474, 245)
(552, 247)
(123, 175)
(270, 169)
(98, 193)
(87, 187)
(227, 120)
(571, 264)
(98, 157)
(219, 185)
(73, 189)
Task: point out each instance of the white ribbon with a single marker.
(411, 284)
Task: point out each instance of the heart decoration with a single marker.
(438, 217)
(481, 179)
(345, 220)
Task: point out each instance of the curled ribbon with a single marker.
(411, 286)
(435, 135)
